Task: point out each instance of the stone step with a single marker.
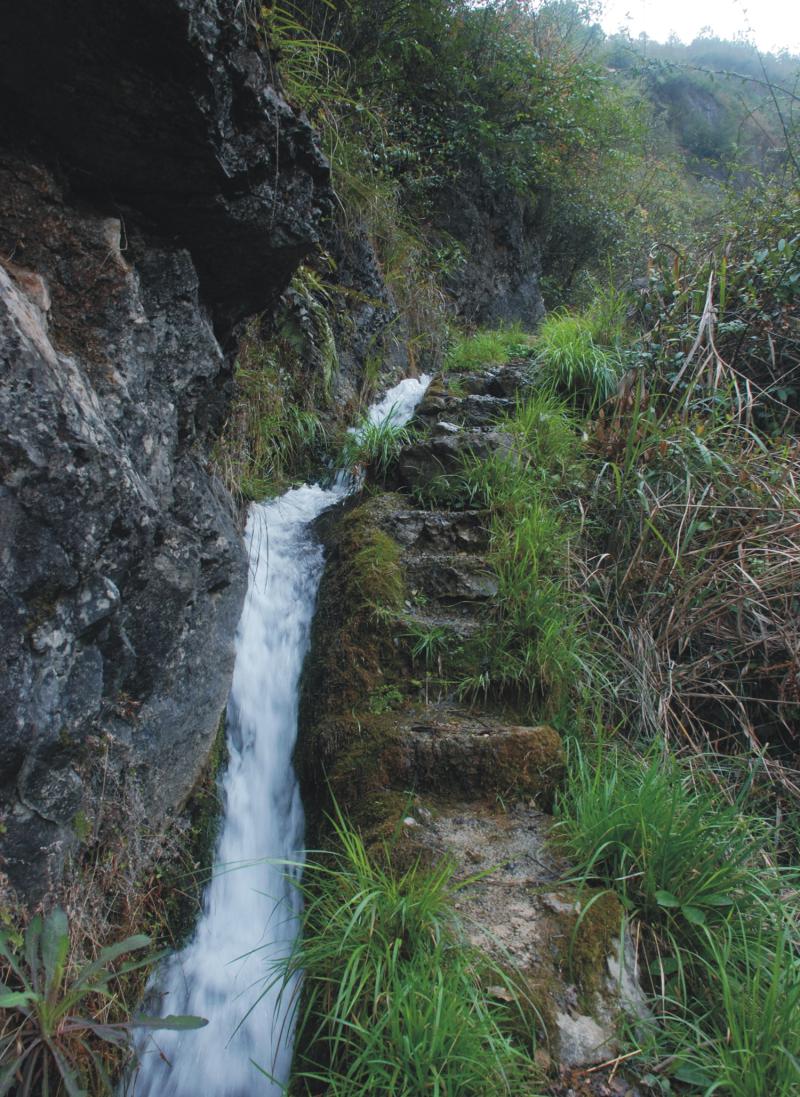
(562, 939)
(442, 453)
(477, 410)
(450, 578)
(438, 531)
(460, 620)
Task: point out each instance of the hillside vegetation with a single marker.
(644, 529)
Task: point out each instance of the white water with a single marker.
(251, 909)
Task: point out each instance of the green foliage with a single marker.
(373, 446)
(530, 647)
(546, 433)
(721, 316)
(580, 355)
(677, 854)
(725, 971)
(58, 1034)
(432, 644)
(394, 999)
(274, 430)
(486, 348)
(744, 1041)
(384, 699)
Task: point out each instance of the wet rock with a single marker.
(423, 462)
(435, 531)
(499, 280)
(451, 578)
(514, 761)
(155, 187)
(473, 410)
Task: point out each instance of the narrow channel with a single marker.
(251, 909)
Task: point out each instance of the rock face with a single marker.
(186, 192)
(498, 282)
(159, 105)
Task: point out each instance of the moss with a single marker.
(529, 762)
(372, 573)
(81, 826)
(584, 934)
(353, 654)
(597, 928)
(182, 881)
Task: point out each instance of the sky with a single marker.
(772, 24)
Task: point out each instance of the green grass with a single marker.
(694, 869)
(373, 446)
(661, 835)
(273, 433)
(394, 1000)
(574, 363)
(486, 348)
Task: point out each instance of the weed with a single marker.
(431, 643)
(571, 360)
(724, 970)
(273, 432)
(679, 856)
(57, 1018)
(374, 446)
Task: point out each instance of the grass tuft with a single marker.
(486, 348)
(394, 1000)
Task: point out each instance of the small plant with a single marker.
(431, 643)
(384, 699)
(373, 446)
(57, 1025)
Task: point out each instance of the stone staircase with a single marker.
(469, 782)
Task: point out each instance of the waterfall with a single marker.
(251, 909)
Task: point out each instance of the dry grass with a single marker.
(694, 571)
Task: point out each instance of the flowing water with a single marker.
(251, 909)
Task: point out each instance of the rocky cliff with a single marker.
(155, 188)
